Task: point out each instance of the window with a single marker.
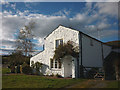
(59, 42)
(55, 63)
(51, 62)
(59, 64)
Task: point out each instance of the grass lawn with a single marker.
(5, 70)
(33, 81)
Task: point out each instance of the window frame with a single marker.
(59, 64)
(54, 64)
(58, 42)
(51, 63)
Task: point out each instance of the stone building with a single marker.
(91, 53)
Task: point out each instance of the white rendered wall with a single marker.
(60, 33)
(91, 55)
(106, 50)
(74, 68)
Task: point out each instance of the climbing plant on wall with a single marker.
(66, 49)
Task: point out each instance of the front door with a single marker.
(68, 67)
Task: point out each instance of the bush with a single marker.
(52, 75)
(12, 69)
(27, 69)
(6, 70)
(36, 68)
(24, 64)
(18, 68)
(41, 74)
(59, 76)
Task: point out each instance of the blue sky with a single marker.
(47, 8)
(84, 16)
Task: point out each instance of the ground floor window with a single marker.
(51, 63)
(55, 63)
(59, 64)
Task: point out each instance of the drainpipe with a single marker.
(81, 66)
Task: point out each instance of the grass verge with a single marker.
(32, 81)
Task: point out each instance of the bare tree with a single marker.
(24, 42)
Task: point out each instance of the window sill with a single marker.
(56, 69)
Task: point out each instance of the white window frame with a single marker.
(54, 61)
(59, 42)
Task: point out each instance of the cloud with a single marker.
(62, 13)
(87, 21)
(109, 8)
(13, 6)
(10, 24)
(4, 2)
(8, 43)
(44, 24)
(105, 35)
(103, 25)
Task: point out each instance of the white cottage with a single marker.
(91, 53)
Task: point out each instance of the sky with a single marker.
(97, 19)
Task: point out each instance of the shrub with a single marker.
(18, 68)
(33, 71)
(32, 64)
(36, 68)
(59, 76)
(52, 75)
(12, 69)
(47, 74)
(24, 64)
(27, 69)
(41, 74)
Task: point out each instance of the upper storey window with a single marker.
(59, 42)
